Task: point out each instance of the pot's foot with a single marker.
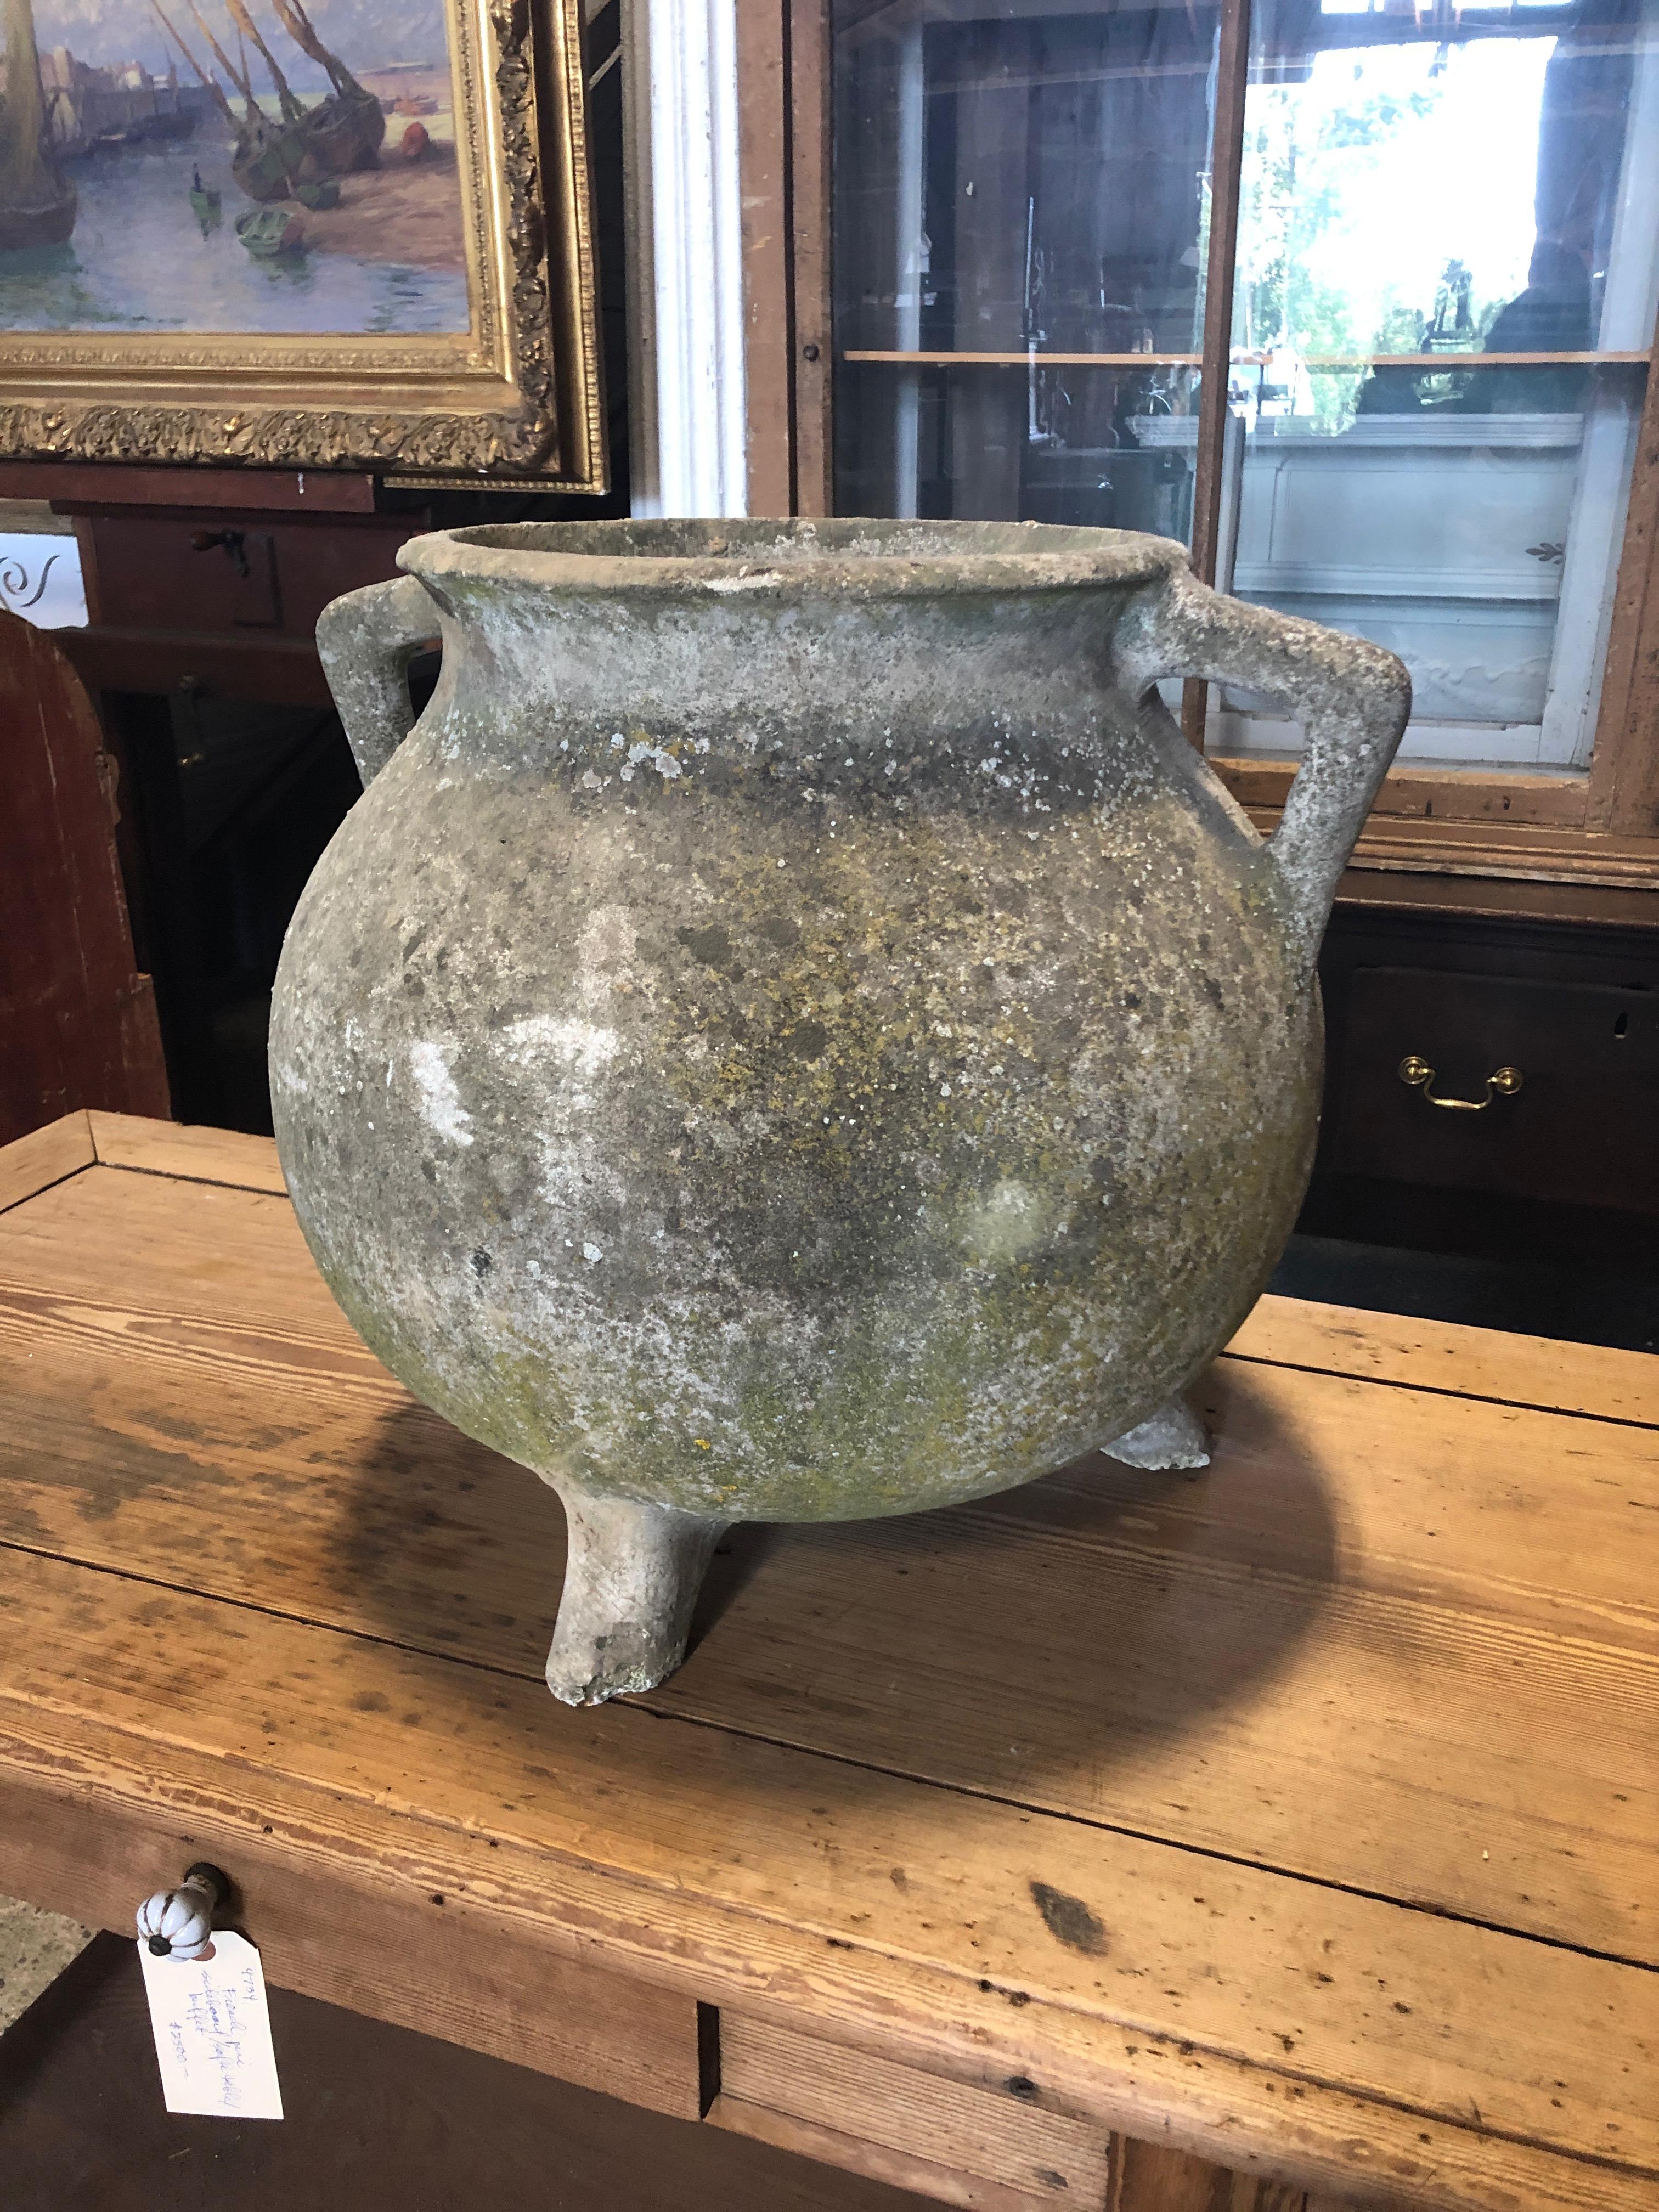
(631, 1582)
(1173, 1436)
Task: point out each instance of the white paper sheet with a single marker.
(213, 2032)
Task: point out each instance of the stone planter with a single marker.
(793, 1032)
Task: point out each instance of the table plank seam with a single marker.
(180, 1152)
(1468, 1605)
(178, 1174)
(665, 1711)
(1440, 1390)
(1207, 1852)
(28, 1197)
(43, 1157)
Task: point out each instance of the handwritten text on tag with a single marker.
(213, 2032)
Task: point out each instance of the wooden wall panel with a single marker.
(811, 311)
(1624, 781)
(763, 139)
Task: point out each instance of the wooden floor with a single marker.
(1301, 1816)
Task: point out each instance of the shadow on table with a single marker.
(1030, 1644)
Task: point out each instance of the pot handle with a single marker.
(1351, 697)
(365, 642)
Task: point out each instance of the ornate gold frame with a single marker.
(518, 396)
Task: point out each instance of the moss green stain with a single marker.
(880, 1042)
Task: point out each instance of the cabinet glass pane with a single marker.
(1449, 219)
(1020, 183)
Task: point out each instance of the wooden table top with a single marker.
(1303, 1814)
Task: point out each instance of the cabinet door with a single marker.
(1417, 251)
(77, 1022)
(1019, 214)
(1445, 292)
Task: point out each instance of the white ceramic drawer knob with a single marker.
(178, 1923)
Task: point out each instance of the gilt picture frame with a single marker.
(300, 234)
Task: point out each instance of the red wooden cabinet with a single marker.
(77, 1019)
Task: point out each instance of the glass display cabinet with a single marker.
(1354, 297)
(1357, 299)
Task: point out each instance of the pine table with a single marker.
(1282, 1838)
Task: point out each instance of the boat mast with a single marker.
(298, 25)
(26, 173)
(256, 115)
(246, 26)
(211, 83)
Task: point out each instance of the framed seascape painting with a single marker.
(299, 234)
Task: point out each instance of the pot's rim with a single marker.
(847, 556)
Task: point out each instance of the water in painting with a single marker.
(235, 167)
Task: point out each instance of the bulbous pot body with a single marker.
(795, 1032)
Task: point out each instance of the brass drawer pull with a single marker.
(1503, 1081)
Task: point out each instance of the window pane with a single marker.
(1026, 182)
(1440, 210)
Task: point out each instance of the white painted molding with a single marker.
(686, 390)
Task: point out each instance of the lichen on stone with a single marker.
(831, 1046)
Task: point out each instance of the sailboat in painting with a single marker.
(37, 201)
(301, 145)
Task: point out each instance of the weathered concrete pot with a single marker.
(793, 1032)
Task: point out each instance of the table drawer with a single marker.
(1578, 1128)
(201, 573)
(432, 1960)
(991, 2150)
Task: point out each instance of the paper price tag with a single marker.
(213, 2032)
